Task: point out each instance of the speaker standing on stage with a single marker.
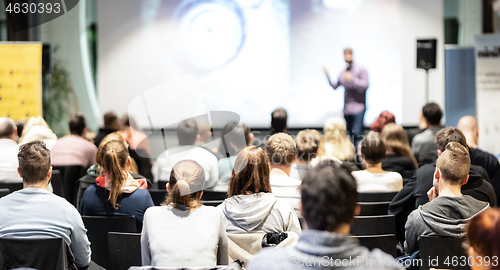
(355, 81)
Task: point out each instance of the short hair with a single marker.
(125, 120)
(233, 139)
(347, 50)
(483, 231)
(432, 113)
(187, 180)
(278, 120)
(110, 118)
(281, 149)
(329, 196)
(187, 131)
(251, 173)
(307, 144)
(34, 161)
(447, 135)
(7, 127)
(77, 124)
(373, 149)
(454, 163)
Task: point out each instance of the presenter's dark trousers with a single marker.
(354, 125)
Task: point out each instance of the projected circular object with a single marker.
(209, 33)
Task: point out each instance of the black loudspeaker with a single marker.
(46, 58)
(426, 53)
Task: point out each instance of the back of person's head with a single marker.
(373, 149)
(329, 196)
(110, 137)
(281, 149)
(447, 135)
(187, 180)
(113, 157)
(233, 139)
(7, 127)
(307, 144)
(383, 119)
(250, 173)
(204, 130)
(454, 163)
(124, 121)
(278, 120)
(335, 142)
(77, 124)
(483, 232)
(396, 140)
(334, 128)
(432, 113)
(187, 132)
(111, 121)
(34, 162)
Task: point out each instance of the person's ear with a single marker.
(437, 175)
(357, 210)
(294, 159)
(200, 194)
(168, 187)
(466, 180)
(197, 137)
(251, 137)
(439, 152)
(84, 131)
(49, 174)
(129, 162)
(19, 172)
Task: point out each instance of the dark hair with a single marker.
(278, 120)
(7, 126)
(77, 124)
(454, 163)
(483, 232)
(34, 161)
(373, 149)
(187, 131)
(307, 144)
(125, 120)
(329, 196)
(110, 119)
(187, 180)
(432, 113)
(251, 173)
(113, 157)
(281, 149)
(447, 135)
(233, 139)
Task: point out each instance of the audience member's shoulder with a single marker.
(272, 259)
(377, 259)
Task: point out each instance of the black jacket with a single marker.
(490, 163)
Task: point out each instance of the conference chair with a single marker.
(374, 208)
(57, 184)
(158, 196)
(12, 186)
(373, 225)
(386, 242)
(70, 175)
(211, 195)
(442, 252)
(98, 228)
(4, 192)
(124, 250)
(376, 196)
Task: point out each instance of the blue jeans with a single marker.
(354, 125)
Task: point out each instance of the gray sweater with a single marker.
(443, 216)
(183, 239)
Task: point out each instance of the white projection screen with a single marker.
(246, 57)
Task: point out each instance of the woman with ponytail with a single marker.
(116, 192)
(335, 144)
(182, 233)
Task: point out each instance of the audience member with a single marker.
(37, 129)
(422, 145)
(329, 198)
(279, 118)
(383, 119)
(374, 178)
(335, 144)
(74, 149)
(204, 132)
(307, 142)
(34, 212)
(116, 192)
(111, 124)
(183, 233)
(468, 125)
(399, 157)
(9, 150)
(235, 138)
(414, 193)
(281, 151)
(448, 210)
(187, 133)
(482, 240)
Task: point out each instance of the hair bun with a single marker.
(183, 187)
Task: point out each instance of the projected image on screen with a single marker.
(249, 56)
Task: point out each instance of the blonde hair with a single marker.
(113, 157)
(43, 132)
(395, 140)
(335, 143)
(187, 180)
(281, 149)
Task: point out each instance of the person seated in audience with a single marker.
(281, 151)
(9, 150)
(116, 192)
(414, 193)
(422, 145)
(307, 142)
(183, 233)
(335, 144)
(34, 212)
(374, 178)
(251, 207)
(187, 133)
(74, 149)
(482, 240)
(37, 129)
(279, 118)
(399, 157)
(448, 210)
(383, 119)
(329, 199)
(235, 138)
(204, 132)
(111, 124)
(468, 125)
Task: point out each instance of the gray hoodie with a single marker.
(258, 213)
(443, 216)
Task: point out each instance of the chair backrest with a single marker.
(98, 228)
(57, 183)
(70, 175)
(387, 242)
(439, 249)
(162, 184)
(4, 192)
(376, 196)
(373, 225)
(36, 253)
(211, 195)
(158, 195)
(374, 208)
(211, 203)
(124, 250)
(12, 186)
